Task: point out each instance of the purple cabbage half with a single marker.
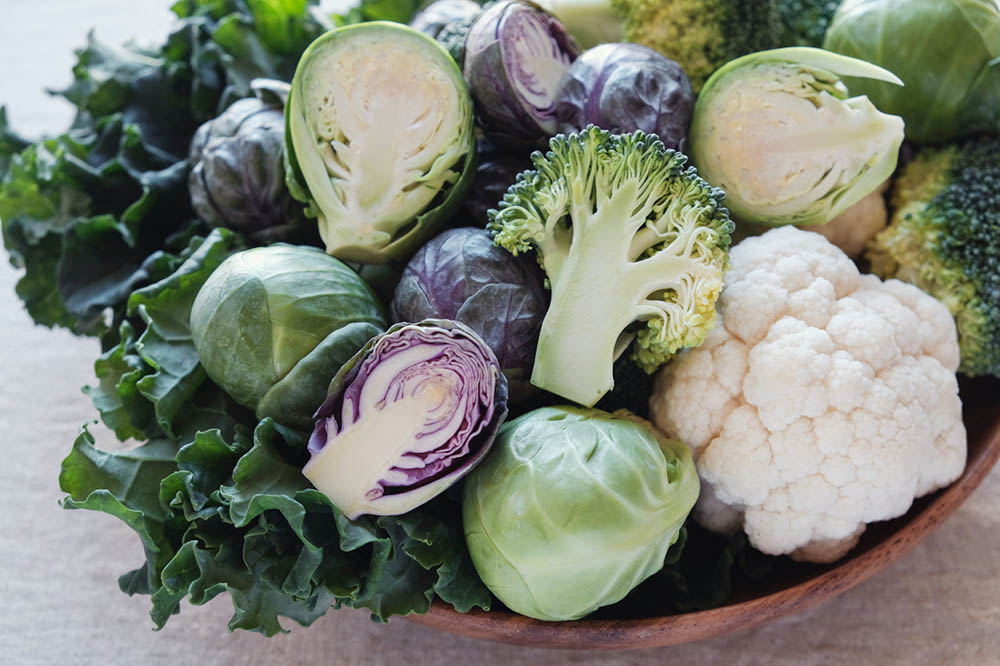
(462, 275)
(515, 56)
(414, 411)
(626, 87)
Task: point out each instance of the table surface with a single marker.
(58, 569)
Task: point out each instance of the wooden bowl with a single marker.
(790, 589)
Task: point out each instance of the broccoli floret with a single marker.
(633, 243)
(944, 237)
(804, 22)
(701, 35)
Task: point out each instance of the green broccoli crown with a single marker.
(633, 243)
(945, 238)
(804, 22)
(701, 35)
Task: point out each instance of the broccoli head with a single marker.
(944, 237)
(804, 22)
(701, 35)
(634, 246)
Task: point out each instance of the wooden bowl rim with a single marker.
(506, 627)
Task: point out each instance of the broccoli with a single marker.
(701, 35)
(804, 22)
(634, 245)
(944, 237)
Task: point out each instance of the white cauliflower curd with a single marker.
(824, 399)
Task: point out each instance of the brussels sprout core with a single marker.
(410, 415)
(777, 131)
(380, 124)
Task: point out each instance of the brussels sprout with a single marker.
(413, 412)
(947, 52)
(272, 325)
(574, 508)
(379, 139)
(777, 131)
(496, 170)
(448, 21)
(515, 55)
(626, 87)
(452, 37)
(462, 275)
(237, 176)
(435, 17)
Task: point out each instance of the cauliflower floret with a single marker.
(853, 229)
(823, 401)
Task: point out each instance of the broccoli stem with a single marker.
(590, 308)
(576, 345)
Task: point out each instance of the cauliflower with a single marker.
(824, 399)
(853, 229)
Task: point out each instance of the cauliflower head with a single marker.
(853, 229)
(824, 400)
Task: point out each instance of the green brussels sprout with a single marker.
(273, 325)
(779, 133)
(574, 507)
(379, 139)
(947, 52)
(448, 21)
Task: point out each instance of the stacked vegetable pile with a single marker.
(386, 309)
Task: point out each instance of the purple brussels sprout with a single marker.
(515, 56)
(237, 177)
(626, 87)
(496, 170)
(413, 412)
(462, 275)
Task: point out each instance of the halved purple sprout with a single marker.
(411, 414)
(515, 56)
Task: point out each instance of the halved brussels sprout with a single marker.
(777, 131)
(379, 134)
(409, 415)
(516, 54)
